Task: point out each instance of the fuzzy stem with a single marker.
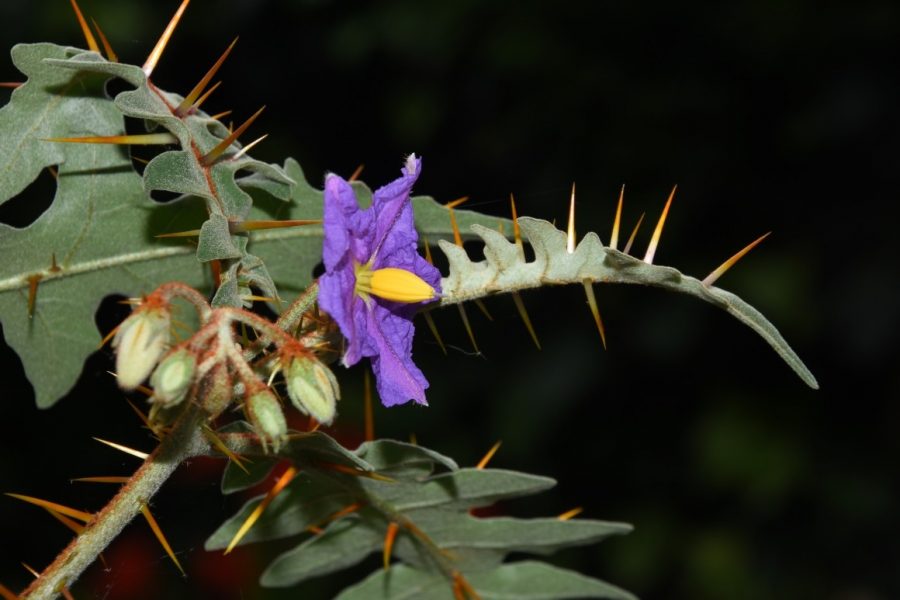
(183, 441)
(291, 317)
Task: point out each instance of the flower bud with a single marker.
(312, 388)
(216, 391)
(265, 415)
(173, 377)
(140, 341)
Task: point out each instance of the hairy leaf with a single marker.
(505, 269)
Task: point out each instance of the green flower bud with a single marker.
(265, 415)
(140, 342)
(173, 377)
(312, 388)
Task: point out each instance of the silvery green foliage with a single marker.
(101, 225)
(505, 269)
(422, 491)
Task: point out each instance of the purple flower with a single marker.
(375, 280)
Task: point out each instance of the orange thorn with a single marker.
(389, 537)
(592, 303)
(627, 248)
(108, 336)
(457, 238)
(140, 415)
(155, 55)
(434, 330)
(143, 161)
(315, 530)
(480, 304)
(357, 172)
(65, 510)
(125, 449)
(427, 250)
(517, 234)
(53, 171)
(462, 589)
(570, 513)
(62, 589)
(196, 105)
(356, 472)
(201, 85)
(111, 56)
(88, 36)
(31, 570)
(654, 241)
(159, 536)
(367, 406)
(489, 455)
(520, 306)
(218, 116)
(465, 320)
(211, 156)
(33, 281)
(285, 479)
(413, 439)
(141, 139)
(457, 202)
(10, 84)
(215, 267)
(712, 277)
(614, 237)
(240, 227)
(247, 148)
(570, 234)
(103, 479)
(350, 508)
(54, 268)
(178, 234)
(217, 442)
(7, 594)
(74, 526)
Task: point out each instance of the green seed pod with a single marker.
(313, 388)
(216, 391)
(173, 377)
(140, 342)
(265, 415)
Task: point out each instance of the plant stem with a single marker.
(124, 506)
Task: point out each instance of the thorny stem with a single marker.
(184, 440)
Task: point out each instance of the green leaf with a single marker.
(525, 580)
(98, 228)
(401, 460)
(235, 479)
(465, 488)
(343, 544)
(505, 269)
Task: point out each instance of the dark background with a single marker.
(781, 116)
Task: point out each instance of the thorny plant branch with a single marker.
(185, 440)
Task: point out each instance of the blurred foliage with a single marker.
(769, 116)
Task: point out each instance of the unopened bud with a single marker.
(216, 391)
(265, 415)
(313, 389)
(173, 377)
(140, 342)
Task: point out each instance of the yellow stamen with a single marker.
(390, 283)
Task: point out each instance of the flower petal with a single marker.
(397, 378)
